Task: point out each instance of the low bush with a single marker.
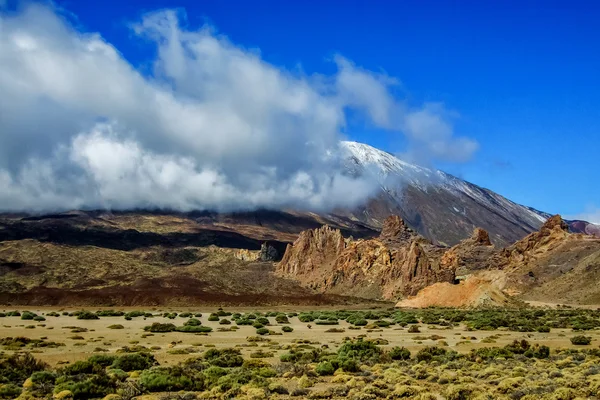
(581, 340)
(134, 362)
(28, 315)
(158, 327)
(399, 353)
(361, 350)
(225, 358)
(325, 368)
(86, 315)
(10, 391)
(161, 379)
(213, 317)
(193, 329)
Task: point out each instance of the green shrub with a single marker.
(81, 367)
(86, 315)
(326, 322)
(287, 329)
(223, 313)
(158, 327)
(325, 368)
(263, 320)
(137, 313)
(109, 313)
(360, 350)
(18, 367)
(306, 317)
(428, 353)
(116, 326)
(282, 319)
(225, 358)
(28, 315)
(581, 340)
(103, 360)
(224, 321)
(162, 379)
(262, 331)
(261, 354)
(10, 391)
(134, 362)
(43, 377)
(213, 317)
(350, 366)
(399, 353)
(193, 329)
(86, 387)
(192, 322)
(213, 374)
(39, 318)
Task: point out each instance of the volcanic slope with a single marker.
(552, 265)
(100, 258)
(437, 205)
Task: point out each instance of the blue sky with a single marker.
(521, 78)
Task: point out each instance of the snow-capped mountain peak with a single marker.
(437, 204)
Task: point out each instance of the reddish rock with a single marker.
(481, 237)
(394, 228)
(396, 264)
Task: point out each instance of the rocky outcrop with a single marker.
(554, 233)
(472, 254)
(313, 250)
(397, 263)
(480, 237)
(268, 253)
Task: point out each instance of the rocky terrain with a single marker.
(551, 264)
(398, 262)
(100, 259)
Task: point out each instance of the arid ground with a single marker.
(164, 353)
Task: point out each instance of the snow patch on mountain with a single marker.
(393, 173)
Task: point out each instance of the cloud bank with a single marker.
(212, 126)
(591, 214)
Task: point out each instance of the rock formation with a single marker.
(268, 253)
(554, 233)
(397, 263)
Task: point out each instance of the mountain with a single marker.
(437, 205)
(145, 257)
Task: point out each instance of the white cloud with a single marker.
(591, 214)
(213, 126)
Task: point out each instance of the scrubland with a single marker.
(526, 353)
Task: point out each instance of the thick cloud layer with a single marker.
(212, 127)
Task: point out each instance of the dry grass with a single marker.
(99, 334)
